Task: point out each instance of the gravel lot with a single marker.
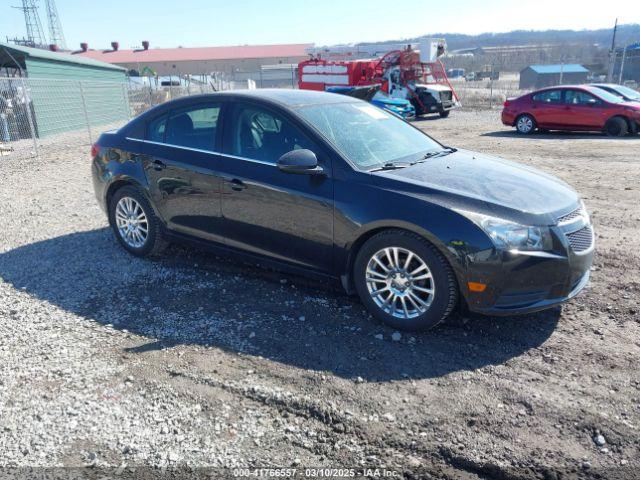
(191, 360)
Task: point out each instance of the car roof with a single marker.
(286, 97)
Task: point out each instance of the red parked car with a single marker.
(576, 108)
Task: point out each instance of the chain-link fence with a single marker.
(486, 94)
(35, 113)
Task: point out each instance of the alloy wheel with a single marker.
(525, 124)
(132, 222)
(400, 282)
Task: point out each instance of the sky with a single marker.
(192, 23)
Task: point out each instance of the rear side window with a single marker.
(155, 131)
(194, 127)
(551, 96)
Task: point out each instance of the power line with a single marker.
(35, 33)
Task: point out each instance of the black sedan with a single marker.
(329, 185)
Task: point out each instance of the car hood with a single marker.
(487, 184)
(436, 87)
(635, 104)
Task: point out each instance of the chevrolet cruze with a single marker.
(329, 185)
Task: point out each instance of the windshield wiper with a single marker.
(432, 154)
(439, 153)
(391, 166)
(436, 153)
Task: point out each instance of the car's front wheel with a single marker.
(616, 127)
(444, 113)
(134, 222)
(404, 281)
(525, 124)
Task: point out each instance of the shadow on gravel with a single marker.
(192, 297)
(556, 135)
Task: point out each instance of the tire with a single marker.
(616, 127)
(444, 113)
(154, 242)
(634, 128)
(526, 124)
(441, 301)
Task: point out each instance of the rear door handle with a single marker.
(237, 185)
(159, 165)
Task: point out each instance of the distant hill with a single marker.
(602, 37)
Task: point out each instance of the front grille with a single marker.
(581, 240)
(570, 216)
(445, 96)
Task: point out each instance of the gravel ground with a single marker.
(192, 360)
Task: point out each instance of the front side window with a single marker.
(550, 96)
(578, 97)
(260, 134)
(367, 135)
(194, 127)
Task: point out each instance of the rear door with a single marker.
(268, 212)
(181, 166)
(583, 110)
(548, 108)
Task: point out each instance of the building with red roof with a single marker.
(200, 60)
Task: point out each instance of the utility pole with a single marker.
(624, 54)
(35, 33)
(55, 27)
(612, 53)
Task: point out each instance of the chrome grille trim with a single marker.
(569, 217)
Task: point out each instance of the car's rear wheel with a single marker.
(525, 124)
(404, 281)
(616, 127)
(134, 222)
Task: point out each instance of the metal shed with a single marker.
(53, 82)
(539, 76)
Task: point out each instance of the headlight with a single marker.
(510, 235)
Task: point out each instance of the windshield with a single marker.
(628, 92)
(606, 96)
(367, 135)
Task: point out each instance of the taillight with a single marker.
(95, 149)
(506, 103)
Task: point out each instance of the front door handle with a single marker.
(159, 165)
(237, 185)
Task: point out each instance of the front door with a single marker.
(583, 110)
(180, 164)
(268, 212)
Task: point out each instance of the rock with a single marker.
(599, 440)
(302, 318)
(396, 336)
(389, 417)
(586, 465)
(379, 336)
(252, 334)
(359, 380)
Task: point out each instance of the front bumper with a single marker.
(525, 282)
(531, 304)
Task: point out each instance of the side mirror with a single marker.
(302, 162)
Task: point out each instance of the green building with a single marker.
(66, 91)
